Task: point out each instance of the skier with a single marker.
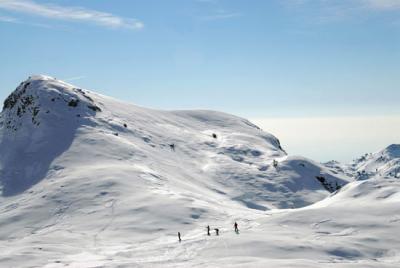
(208, 230)
(172, 146)
(179, 237)
(216, 231)
(275, 163)
(236, 227)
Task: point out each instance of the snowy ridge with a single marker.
(45, 117)
(90, 181)
(384, 163)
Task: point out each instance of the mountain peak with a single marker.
(392, 150)
(383, 163)
(40, 77)
(43, 97)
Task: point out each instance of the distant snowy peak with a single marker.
(392, 151)
(384, 163)
(41, 97)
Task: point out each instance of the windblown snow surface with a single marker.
(90, 181)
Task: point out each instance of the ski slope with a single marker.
(90, 181)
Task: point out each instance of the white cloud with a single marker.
(70, 13)
(13, 20)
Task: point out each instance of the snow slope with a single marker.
(357, 227)
(49, 126)
(90, 181)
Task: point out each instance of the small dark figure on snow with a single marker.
(216, 231)
(172, 146)
(179, 237)
(275, 163)
(236, 227)
(214, 135)
(208, 230)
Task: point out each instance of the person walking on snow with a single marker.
(179, 237)
(208, 230)
(275, 164)
(216, 231)
(236, 227)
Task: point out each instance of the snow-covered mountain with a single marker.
(384, 163)
(49, 127)
(90, 181)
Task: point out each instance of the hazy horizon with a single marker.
(333, 138)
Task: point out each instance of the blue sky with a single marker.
(257, 59)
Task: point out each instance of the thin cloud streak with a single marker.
(71, 14)
(9, 19)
